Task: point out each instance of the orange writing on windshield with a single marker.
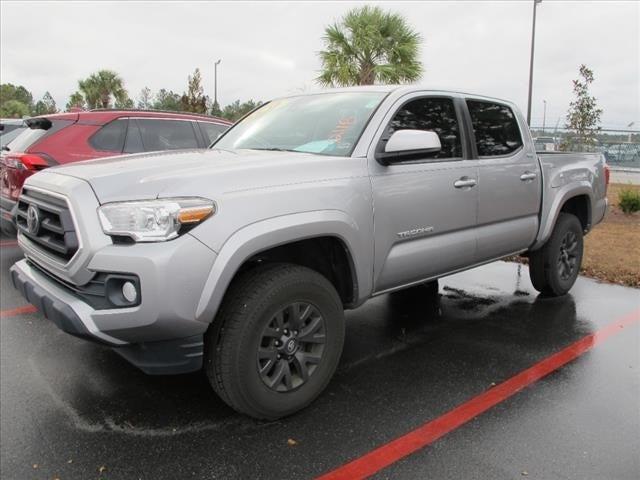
(342, 126)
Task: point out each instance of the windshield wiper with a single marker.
(5, 148)
(274, 149)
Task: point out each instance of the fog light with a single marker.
(129, 292)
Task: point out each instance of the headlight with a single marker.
(154, 220)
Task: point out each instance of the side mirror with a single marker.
(405, 144)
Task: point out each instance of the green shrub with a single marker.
(629, 200)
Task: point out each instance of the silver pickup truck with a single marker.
(241, 259)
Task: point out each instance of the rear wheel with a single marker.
(554, 268)
(276, 341)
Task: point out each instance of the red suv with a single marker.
(71, 137)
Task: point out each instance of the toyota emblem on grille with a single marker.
(33, 219)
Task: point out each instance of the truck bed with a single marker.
(565, 174)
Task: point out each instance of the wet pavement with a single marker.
(72, 408)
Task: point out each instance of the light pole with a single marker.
(533, 43)
(215, 83)
(544, 115)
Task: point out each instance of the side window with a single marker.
(211, 131)
(166, 134)
(435, 114)
(110, 137)
(495, 128)
(133, 143)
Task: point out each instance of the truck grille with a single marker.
(46, 220)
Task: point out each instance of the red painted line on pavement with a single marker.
(18, 311)
(9, 243)
(389, 453)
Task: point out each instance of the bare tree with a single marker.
(583, 117)
(145, 99)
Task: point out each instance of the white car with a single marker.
(10, 128)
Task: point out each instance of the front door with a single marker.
(425, 208)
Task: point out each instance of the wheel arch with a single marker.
(289, 238)
(326, 254)
(579, 206)
(575, 200)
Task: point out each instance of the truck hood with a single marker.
(204, 172)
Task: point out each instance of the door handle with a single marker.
(526, 176)
(465, 182)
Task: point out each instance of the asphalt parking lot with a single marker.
(74, 410)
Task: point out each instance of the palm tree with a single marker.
(99, 87)
(370, 46)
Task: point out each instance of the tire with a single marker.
(247, 360)
(554, 268)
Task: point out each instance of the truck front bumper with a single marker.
(160, 335)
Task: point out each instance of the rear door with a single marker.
(158, 134)
(424, 217)
(509, 189)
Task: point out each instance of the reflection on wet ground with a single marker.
(409, 356)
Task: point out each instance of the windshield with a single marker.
(10, 132)
(327, 124)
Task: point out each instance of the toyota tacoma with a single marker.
(241, 259)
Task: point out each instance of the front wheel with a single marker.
(276, 341)
(554, 268)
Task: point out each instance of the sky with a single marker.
(269, 49)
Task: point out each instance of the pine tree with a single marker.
(194, 99)
(45, 106)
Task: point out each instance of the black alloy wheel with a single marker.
(568, 257)
(291, 347)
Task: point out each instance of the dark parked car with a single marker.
(72, 137)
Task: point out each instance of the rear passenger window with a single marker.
(495, 127)
(133, 143)
(166, 134)
(110, 138)
(212, 131)
(435, 114)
